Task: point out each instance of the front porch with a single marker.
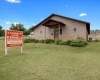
(55, 28)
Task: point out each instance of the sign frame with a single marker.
(13, 38)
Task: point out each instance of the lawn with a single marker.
(50, 62)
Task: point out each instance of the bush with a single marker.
(42, 41)
(63, 43)
(28, 40)
(96, 40)
(48, 41)
(59, 42)
(36, 41)
(68, 42)
(78, 43)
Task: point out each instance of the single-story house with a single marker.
(59, 27)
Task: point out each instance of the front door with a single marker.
(56, 35)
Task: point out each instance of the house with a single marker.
(59, 27)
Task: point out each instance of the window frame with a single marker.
(61, 31)
(74, 29)
(52, 31)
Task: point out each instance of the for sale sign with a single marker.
(13, 38)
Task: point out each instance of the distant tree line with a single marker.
(19, 27)
(95, 30)
(2, 31)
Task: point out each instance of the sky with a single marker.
(31, 12)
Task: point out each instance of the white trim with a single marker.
(6, 50)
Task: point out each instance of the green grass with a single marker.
(50, 62)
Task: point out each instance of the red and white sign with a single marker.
(14, 38)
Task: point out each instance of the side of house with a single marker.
(57, 27)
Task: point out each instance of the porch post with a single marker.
(59, 29)
(45, 32)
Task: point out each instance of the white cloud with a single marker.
(66, 5)
(15, 23)
(34, 24)
(8, 22)
(83, 14)
(14, 1)
(42, 19)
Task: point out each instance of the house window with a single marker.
(60, 31)
(40, 32)
(74, 29)
(52, 31)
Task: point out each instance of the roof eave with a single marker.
(59, 16)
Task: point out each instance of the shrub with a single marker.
(59, 42)
(78, 43)
(42, 41)
(63, 43)
(35, 41)
(48, 41)
(68, 42)
(28, 40)
(96, 40)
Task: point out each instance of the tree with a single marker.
(19, 27)
(2, 31)
(31, 28)
(28, 31)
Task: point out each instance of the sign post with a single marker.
(12, 39)
(5, 45)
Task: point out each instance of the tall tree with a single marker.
(31, 28)
(2, 31)
(19, 27)
(28, 31)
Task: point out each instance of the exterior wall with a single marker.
(37, 34)
(67, 31)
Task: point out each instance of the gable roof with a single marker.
(51, 20)
(87, 23)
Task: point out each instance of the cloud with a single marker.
(8, 22)
(83, 14)
(42, 19)
(15, 23)
(66, 5)
(14, 1)
(34, 24)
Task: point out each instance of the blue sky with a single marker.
(31, 12)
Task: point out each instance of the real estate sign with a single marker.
(12, 39)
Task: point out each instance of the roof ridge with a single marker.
(53, 14)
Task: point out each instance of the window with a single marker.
(74, 29)
(52, 31)
(60, 31)
(40, 32)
